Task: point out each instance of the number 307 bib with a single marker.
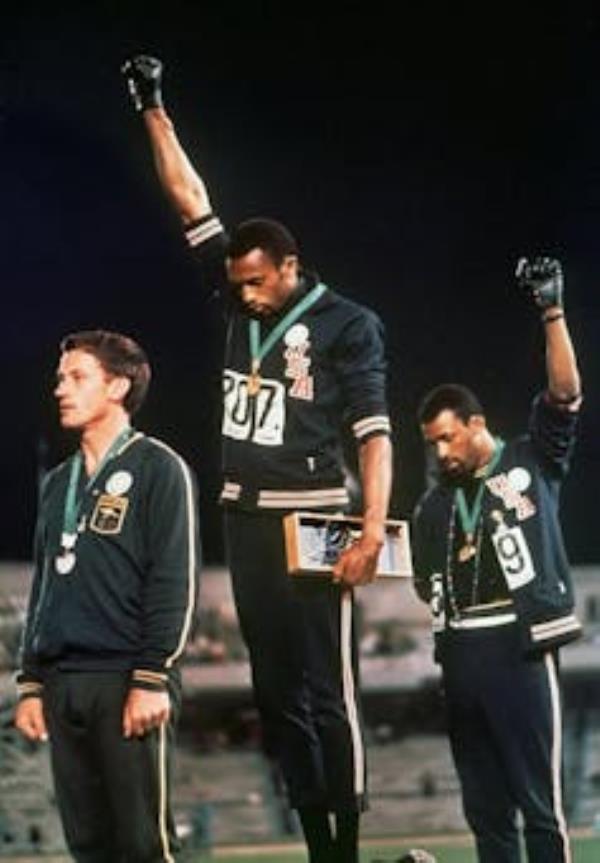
(513, 556)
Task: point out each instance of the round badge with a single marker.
(519, 478)
(119, 482)
(296, 336)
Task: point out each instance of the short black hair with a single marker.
(454, 397)
(118, 355)
(273, 238)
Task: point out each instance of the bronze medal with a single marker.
(466, 552)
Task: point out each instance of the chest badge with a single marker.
(298, 363)
(119, 482)
(519, 478)
(509, 488)
(109, 514)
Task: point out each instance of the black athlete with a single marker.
(301, 361)
(489, 557)
(116, 566)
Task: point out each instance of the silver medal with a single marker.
(65, 562)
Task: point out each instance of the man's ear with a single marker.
(118, 388)
(477, 423)
(290, 264)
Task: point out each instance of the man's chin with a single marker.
(453, 476)
(69, 423)
(261, 313)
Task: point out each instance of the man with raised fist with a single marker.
(301, 363)
(490, 560)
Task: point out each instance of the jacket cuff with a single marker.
(29, 689)
(144, 678)
(370, 426)
(202, 230)
(567, 405)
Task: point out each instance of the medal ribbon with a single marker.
(72, 505)
(469, 518)
(259, 350)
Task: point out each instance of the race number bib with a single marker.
(260, 419)
(513, 556)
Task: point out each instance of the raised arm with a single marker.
(181, 182)
(542, 279)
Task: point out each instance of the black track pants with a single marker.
(112, 793)
(300, 636)
(505, 730)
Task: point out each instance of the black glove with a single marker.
(542, 279)
(143, 75)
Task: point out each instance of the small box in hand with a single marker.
(315, 540)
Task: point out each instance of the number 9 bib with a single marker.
(513, 556)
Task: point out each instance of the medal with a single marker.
(468, 550)
(259, 349)
(470, 516)
(65, 562)
(254, 379)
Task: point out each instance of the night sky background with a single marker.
(416, 156)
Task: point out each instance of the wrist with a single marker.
(551, 314)
(151, 102)
(27, 688)
(373, 533)
(157, 116)
(144, 678)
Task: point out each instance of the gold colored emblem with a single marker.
(109, 514)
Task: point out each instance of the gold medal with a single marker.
(259, 349)
(253, 385)
(254, 380)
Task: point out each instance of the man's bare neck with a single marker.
(97, 439)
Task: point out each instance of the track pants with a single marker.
(112, 793)
(300, 636)
(504, 719)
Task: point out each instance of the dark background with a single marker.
(416, 156)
